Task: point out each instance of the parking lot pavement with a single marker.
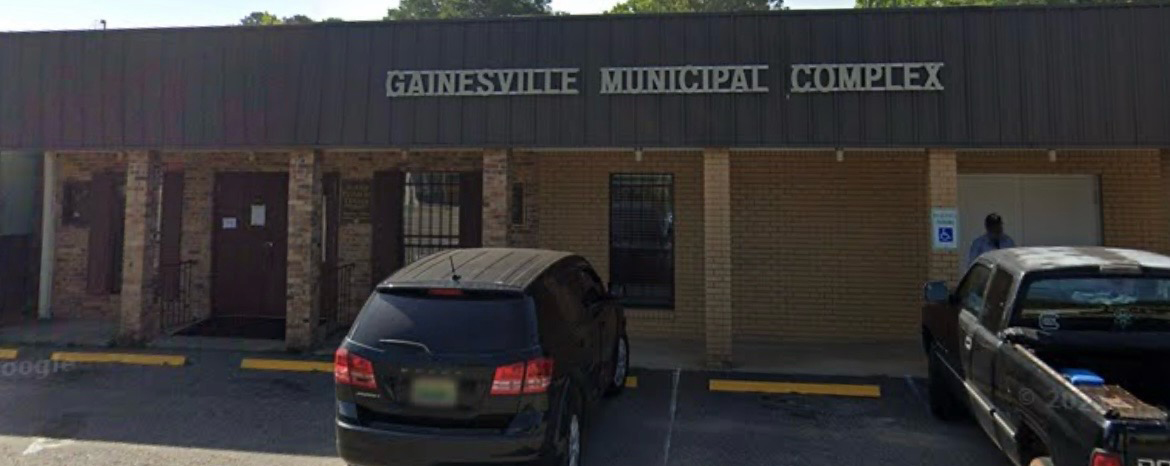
(213, 412)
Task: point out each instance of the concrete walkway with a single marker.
(57, 332)
(895, 359)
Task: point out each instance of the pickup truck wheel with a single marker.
(943, 404)
(1041, 461)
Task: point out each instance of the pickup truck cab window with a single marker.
(970, 292)
(998, 291)
(1091, 301)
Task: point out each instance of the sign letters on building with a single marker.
(866, 77)
(689, 79)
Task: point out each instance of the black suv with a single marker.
(479, 356)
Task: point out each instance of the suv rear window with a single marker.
(470, 323)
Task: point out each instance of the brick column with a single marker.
(304, 249)
(495, 198)
(717, 256)
(139, 317)
(942, 191)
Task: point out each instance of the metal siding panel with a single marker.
(983, 100)
(1062, 63)
(333, 94)
(1034, 79)
(1009, 28)
(236, 70)
(387, 118)
(450, 109)
(925, 32)
(623, 109)
(134, 85)
(747, 106)
(357, 75)
(311, 67)
(194, 102)
(775, 31)
(823, 107)
(113, 75)
(476, 40)
(172, 91)
(281, 80)
(547, 115)
(425, 117)
(597, 55)
(91, 88)
(954, 75)
(1093, 125)
(51, 83)
(9, 94)
(1151, 112)
(902, 48)
(211, 82)
(875, 105)
(671, 107)
(30, 85)
(697, 108)
(721, 119)
(1119, 93)
(72, 91)
(499, 56)
(849, 104)
(523, 108)
(570, 110)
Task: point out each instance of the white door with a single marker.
(1037, 210)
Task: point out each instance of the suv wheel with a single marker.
(621, 366)
(943, 404)
(1041, 461)
(570, 436)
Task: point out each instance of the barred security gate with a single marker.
(430, 214)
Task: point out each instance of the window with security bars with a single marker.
(641, 238)
(430, 214)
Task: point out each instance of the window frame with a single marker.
(669, 249)
(982, 290)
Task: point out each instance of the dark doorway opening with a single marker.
(237, 327)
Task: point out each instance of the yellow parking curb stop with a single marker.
(122, 358)
(632, 381)
(834, 389)
(8, 353)
(286, 365)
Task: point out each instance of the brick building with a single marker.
(752, 177)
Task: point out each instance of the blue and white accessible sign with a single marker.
(944, 228)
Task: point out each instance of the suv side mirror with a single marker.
(617, 291)
(936, 293)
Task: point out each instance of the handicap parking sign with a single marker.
(944, 223)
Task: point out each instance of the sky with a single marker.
(24, 15)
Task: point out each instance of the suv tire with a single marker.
(621, 367)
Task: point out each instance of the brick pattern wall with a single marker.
(574, 216)
(942, 184)
(495, 198)
(139, 316)
(827, 249)
(524, 169)
(70, 299)
(304, 248)
(354, 166)
(717, 256)
(1133, 204)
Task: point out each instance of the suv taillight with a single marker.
(533, 376)
(351, 369)
(1101, 458)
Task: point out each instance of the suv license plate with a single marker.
(434, 392)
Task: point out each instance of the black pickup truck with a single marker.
(1062, 355)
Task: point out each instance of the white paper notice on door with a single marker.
(258, 211)
(229, 223)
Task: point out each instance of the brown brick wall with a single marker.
(1132, 198)
(574, 216)
(524, 169)
(70, 299)
(822, 248)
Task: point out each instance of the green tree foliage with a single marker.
(929, 3)
(264, 18)
(443, 9)
(695, 6)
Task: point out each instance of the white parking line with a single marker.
(673, 410)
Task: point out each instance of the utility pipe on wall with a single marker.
(48, 236)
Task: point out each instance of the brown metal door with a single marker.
(250, 244)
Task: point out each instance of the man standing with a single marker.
(992, 240)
